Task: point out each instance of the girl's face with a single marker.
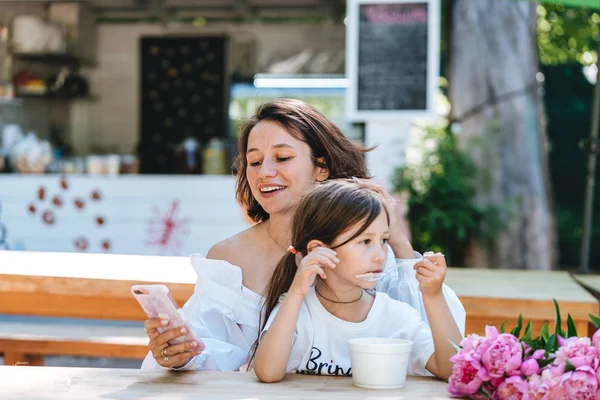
(365, 253)
(280, 167)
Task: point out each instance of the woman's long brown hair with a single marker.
(324, 213)
(343, 158)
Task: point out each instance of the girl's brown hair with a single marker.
(343, 158)
(324, 213)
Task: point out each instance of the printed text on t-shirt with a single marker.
(314, 367)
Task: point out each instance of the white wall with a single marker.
(134, 211)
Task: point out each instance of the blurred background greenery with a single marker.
(442, 211)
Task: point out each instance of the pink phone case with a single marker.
(157, 302)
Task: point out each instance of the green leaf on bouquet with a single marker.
(595, 321)
(484, 393)
(557, 322)
(529, 343)
(535, 344)
(527, 334)
(503, 327)
(571, 329)
(551, 344)
(545, 332)
(516, 331)
(456, 347)
(539, 342)
(545, 361)
(569, 367)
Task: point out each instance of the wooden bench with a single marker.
(98, 287)
(80, 286)
(28, 342)
(491, 297)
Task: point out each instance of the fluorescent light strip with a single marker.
(302, 83)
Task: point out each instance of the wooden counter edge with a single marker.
(77, 297)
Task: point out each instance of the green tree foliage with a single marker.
(567, 34)
(441, 182)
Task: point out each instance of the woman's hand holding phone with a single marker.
(170, 356)
(172, 343)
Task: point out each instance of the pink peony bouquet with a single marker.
(553, 366)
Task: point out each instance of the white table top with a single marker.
(593, 281)
(98, 266)
(121, 384)
(517, 284)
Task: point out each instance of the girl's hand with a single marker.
(313, 264)
(431, 272)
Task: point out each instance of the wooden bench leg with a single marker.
(13, 358)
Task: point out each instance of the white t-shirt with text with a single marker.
(320, 344)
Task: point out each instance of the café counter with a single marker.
(126, 214)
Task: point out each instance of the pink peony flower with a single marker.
(579, 351)
(530, 367)
(483, 343)
(513, 388)
(470, 343)
(537, 390)
(555, 370)
(502, 357)
(596, 342)
(464, 380)
(491, 332)
(554, 390)
(551, 377)
(580, 384)
(495, 382)
(538, 354)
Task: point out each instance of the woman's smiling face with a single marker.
(280, 167)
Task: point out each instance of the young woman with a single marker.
(340, 231)
(283, 150)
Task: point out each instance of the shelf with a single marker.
(56, 97)
(52, 58)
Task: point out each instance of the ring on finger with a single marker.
(164, 354)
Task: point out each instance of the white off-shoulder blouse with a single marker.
(224, 314)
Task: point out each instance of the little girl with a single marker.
(340, 230)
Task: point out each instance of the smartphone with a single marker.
(157, 302)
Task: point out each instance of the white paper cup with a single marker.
(379, 363)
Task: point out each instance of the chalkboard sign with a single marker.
(182, 95)
(392, 54)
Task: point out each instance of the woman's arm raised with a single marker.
(398, 240)
(401, 284)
